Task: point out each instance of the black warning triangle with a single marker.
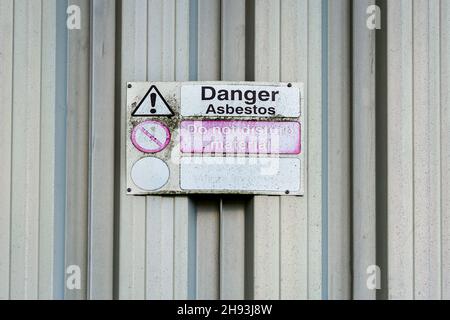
(153, 104)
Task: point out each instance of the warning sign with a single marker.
(152, 104)
(150, 136)
(239, 100)
(215, 137)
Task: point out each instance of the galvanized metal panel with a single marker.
(28, 115)
(364, 219)
(182, 40)
(26, 150)
(339, 88)
(209, 40)
(232, 249)
(77, 149)
(233, 42)
(101, 184)
(47, 152)
(207, 264)
(132, 210)
(400, 151)
(6, 111)
(60, 117)
(418, 47)
(273, 250)
(445, 145)
(315, 149)
(426, 137)
(294, 211)
(160, 246)
(184, 251)
(161, 41)
(294, 248)
(266, 247)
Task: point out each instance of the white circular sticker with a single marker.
(150, 173)
(150, 136)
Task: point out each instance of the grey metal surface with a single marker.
(101, 147)
(364, 150)
(222, 247)
(77, 149)
(418, 149)
(339, 152)
(6, 74)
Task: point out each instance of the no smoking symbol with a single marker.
(150, 136)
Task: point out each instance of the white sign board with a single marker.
(215, 137)
(239, 100)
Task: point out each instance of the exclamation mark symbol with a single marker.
(153, 101)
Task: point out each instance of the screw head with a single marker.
(289, 85)
(129, 85)
(129, 190)
(287, 192)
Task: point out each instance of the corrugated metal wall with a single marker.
(27, 122)
(179, 247)
(400, 150)
(418, 149)
(377, 151)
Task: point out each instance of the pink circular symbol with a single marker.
(150, 136)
